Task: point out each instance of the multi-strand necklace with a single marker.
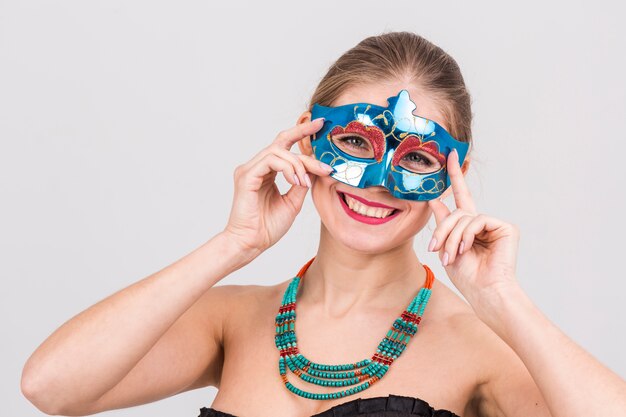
(365, 372)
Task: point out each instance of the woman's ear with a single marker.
(305, 144)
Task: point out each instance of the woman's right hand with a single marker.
(260, 215)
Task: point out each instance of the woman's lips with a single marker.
(366, 219)
(367, 202)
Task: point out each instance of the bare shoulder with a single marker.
(245, 297)
(455, 319)
(239, 303)
(453, 313)
(501, 380)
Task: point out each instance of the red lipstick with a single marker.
(369, 203)
(366, 219)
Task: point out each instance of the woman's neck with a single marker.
(343, 281)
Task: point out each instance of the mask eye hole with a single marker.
(419, 163)
(419, 157)
(353, 145)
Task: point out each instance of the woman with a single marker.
(175, 330)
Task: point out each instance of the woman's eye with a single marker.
(354, 141)
(419, 163)
(417, 158)
(354, 145)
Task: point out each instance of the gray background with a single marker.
(111, 113)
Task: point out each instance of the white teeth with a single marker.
(366, 210)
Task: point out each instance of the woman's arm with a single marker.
(162, 335)
(479, 253)
(572, 382)
(91, 353)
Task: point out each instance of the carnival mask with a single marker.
(371, 145)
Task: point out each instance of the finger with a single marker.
(444, 228)
(285, 154)
(315, 166)
(271, 163)
(260, 155)
(298, 165)
(462, 197)
(453, 239)
(480, 223)
(279, 141)
(303, 164)
(440, 210)
(287, 138)
(295, 197)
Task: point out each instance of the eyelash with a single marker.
(424, 160)
(364, 144)
(347, 139)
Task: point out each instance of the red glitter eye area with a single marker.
(359, 140)
(419, 157)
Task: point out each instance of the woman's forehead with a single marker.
(377, 93)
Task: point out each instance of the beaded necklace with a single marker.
(368, 370)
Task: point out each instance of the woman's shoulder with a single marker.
(455, 321)
(450, 312)
(250, 298)
(253, 291)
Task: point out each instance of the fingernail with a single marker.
(326, 167)
(454, 150)
(308, 180)
(295, 178)
(445, 258)
(432, 244)
(461, 246)
(318, 119)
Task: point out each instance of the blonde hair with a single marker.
(403, 56)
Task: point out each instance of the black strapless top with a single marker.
(390, 406)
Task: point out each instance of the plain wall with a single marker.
(121, 123)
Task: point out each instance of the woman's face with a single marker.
(364, 230)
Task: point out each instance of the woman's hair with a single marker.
(403, 56)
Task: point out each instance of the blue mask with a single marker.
(371, 145)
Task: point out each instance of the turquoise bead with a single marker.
(334, 375)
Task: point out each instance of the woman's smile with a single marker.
(366, 211)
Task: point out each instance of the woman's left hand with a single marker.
(479, 252)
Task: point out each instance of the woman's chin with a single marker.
(363, 239)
